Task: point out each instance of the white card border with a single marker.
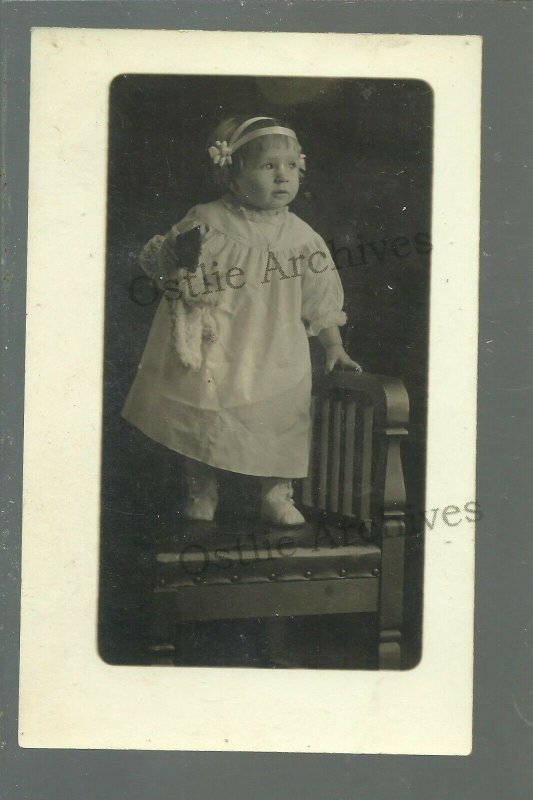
(68, 696)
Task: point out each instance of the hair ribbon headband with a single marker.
(221, 152)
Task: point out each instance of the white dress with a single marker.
(247, 409)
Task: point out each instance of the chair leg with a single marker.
(161, 630)
(391, 594)
(390, 650)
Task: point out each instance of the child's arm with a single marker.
(322, 302)
(331, 341)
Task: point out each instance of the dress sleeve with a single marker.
(322, 292)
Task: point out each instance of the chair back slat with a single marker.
(349, 454)
(323, 455)
(365, 486)
(335, 465)
(339, 480)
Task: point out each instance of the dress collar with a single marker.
(273, 216)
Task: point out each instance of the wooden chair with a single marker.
(348, 558)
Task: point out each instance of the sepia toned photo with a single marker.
(266, 362)
(250, 375)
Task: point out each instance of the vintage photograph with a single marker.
(250, 374)
(265, 383)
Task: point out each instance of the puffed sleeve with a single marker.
(322, 292)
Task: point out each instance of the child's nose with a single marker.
(281, 173)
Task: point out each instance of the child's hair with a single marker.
(224, 175)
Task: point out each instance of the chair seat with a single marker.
(202, 554)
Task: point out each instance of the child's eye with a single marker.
(269, 165)
(292, 164)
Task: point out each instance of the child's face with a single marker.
(271, 179)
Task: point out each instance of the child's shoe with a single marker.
(277, 504)
(202, 497)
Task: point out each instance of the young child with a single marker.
(225, 378)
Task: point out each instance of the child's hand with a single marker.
(336, 354)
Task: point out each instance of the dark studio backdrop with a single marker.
(367, 191)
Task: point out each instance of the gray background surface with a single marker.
(499, 766)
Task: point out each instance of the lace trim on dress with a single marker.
(255, 214)
(325, 321)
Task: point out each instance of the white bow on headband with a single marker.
(221, 152)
